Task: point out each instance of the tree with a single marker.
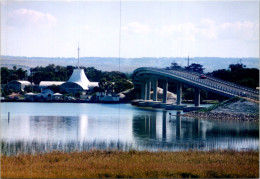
(238, 73)
(5, 75)
(195, 68)
(14, 77)
(21, 73)
(236, 67)
(175, 65)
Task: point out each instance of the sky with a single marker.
(145, 29)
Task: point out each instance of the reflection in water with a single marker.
(180, 133)
(83, 126)
(103, 126)
(145, 125)
(164, 126)
(178, 126)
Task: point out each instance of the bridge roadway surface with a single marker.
(211, 84)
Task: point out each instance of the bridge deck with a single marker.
(210, 84)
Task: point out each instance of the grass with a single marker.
(223, 103)
(133, 164)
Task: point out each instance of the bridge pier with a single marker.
(155, 85)
(197, 97)
(179, 93)
(148, 83)
(143, 90)
(165, 89)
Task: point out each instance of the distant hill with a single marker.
(126, 64)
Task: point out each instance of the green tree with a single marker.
(238, 73)
(5, 75)
(175, 65)
(195, 68)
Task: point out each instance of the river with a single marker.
(85, 126)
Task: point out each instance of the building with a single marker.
(18, 85)
(107, 97)
(57, 96)
(45, 84)
(46, 94)
(30, 96)
(78, 82)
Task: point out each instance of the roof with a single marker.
(30, 94)
(78, 76)
(50, 83)
(57, 94)
(23, 82)
(47, 90)
(93, 84)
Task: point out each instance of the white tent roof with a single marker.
(24, 82)
(50, 83)
(93, 84)
(57, 94)
(30, 94)
(78, 76)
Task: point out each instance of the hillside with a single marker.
(126, 64)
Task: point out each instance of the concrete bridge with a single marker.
(147, 78)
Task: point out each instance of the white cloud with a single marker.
(137, 28)
(185, 31)
(245, 30)
(3, 2)
(210, 30)
(27, 17)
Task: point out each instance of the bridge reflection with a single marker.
(163, 131)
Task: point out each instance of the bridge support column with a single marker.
(148, 95)
(197, 97)
(155, 85)
(165, 89)
(179, 93)
(143, 90)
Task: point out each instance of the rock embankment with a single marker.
(222, 115)
(232, 109)
(240, 106)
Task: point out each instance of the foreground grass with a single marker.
(118, 164)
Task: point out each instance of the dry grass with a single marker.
(135, 164)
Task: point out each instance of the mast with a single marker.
(78, 55)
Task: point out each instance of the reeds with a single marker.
(133, 164)
(17, 147)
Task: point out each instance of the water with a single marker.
(42, 127)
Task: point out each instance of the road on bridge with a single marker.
(214, 85)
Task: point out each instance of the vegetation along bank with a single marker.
(133, 164)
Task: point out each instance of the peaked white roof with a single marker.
(50, 83)
(57, 94)
(78, 76)
(24, 82)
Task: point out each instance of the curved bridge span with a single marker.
(146, 77)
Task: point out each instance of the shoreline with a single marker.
(133, 164)
(55, 101)
(223, 116)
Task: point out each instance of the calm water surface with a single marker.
(106, 125)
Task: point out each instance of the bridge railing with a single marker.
(225, 89)
(232, 91)
(221, 87)
(221, 81)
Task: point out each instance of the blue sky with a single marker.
(148, 28)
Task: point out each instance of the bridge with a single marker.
(146, 78)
